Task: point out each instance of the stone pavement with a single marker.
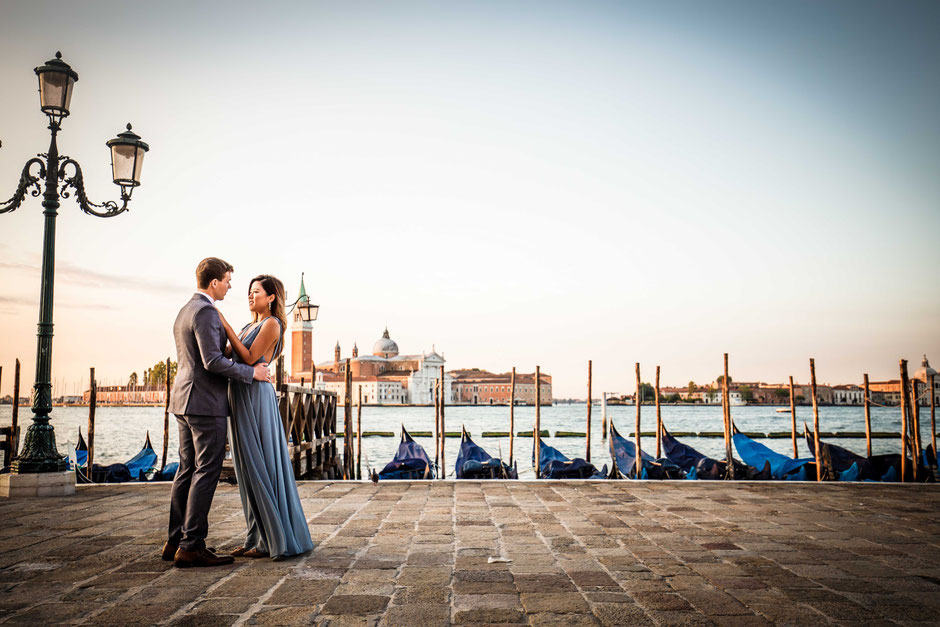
(538, 553)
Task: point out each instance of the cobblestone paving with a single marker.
(546, 553)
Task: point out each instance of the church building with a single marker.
(385, 377)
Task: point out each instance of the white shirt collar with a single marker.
(207, 297)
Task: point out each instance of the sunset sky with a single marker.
(514, 183)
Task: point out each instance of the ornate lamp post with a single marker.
(59, 173)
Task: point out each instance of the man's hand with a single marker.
(262, 373)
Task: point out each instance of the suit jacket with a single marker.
(203, 370)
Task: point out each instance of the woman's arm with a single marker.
(265, 340)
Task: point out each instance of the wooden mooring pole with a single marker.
(347, 425)
(868, 416)
(726, 411)
(933, 413)
(904, 401)
(442, 402)
(16, 410)
(537, 432)
(638, 401)
(796, 452)
(659, 420)
(92, 400)
(915, 421)
(587, 439)
(359, 436)
(512, 412)
(166, 417)
(812, 382)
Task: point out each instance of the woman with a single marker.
(276, 523)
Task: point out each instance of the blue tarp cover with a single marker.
(410, 462)
(756, 454)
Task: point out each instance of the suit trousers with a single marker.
(202, 449)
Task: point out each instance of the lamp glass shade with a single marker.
(308, 312)
(55, 92)
(126, 162)
(127, 157)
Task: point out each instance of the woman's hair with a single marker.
(272, 285)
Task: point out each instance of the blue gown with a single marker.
(276, 522)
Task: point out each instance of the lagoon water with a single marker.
(120, 431)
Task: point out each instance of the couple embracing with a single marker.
(223, 384)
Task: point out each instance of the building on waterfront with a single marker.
(848, 395)
(385, 377)
(127, 395)
(480, 387)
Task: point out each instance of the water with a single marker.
(120, 431)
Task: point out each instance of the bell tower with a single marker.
(301, 340)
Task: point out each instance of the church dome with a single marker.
(385, 346)
(924, 372)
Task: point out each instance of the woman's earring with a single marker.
(271, 306)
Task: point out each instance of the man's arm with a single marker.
(207, 328)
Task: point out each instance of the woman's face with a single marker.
(259, 301)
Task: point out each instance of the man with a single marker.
(200, 402)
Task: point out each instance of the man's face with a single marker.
(218, 289)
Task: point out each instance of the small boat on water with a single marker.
(475, 463)
(410, 462)
(782, 410)
(623, 454)
(553, 464)
(777, 464)
(844, 465)
(141, 467)
(143, 463)
(81, 451)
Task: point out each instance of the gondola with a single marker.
(554, 465)
(81, 451)
(475, 463)
(778, 465)
(136, 468)
(695, 464)
(849, 466)
(410, 462)
(623, 454)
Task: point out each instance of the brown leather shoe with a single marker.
(169, 550)
(202, 557)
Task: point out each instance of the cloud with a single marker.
(8, 304)
(83, 276)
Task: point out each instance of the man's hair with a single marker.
(211, 268)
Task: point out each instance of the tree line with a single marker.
(155, 375)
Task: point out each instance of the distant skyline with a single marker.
(515, 183)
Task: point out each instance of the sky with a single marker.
(511, 183)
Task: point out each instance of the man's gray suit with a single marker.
(200, 401)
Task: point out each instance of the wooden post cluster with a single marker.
(904, 426)
(812, 381)
(512, 412)
(443, 425)
(166, 418)
(587, 439)
(659, 420)
(537, 432)
(638, 401)
(796, 452)
(92, 401)
(868, 416)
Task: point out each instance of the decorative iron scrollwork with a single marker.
(27, 180)
(77, 182)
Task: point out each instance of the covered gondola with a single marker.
(410, 462)
(475, 463)
(554, 465)
(623, 454)
(759, 456)
(81, 451)
(143, 463)
(849, 466)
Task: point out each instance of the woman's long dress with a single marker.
(276, 523)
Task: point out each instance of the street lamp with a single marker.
(308, 311)
(56, 80)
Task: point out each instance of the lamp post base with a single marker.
(46, 484)
(39, 454)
